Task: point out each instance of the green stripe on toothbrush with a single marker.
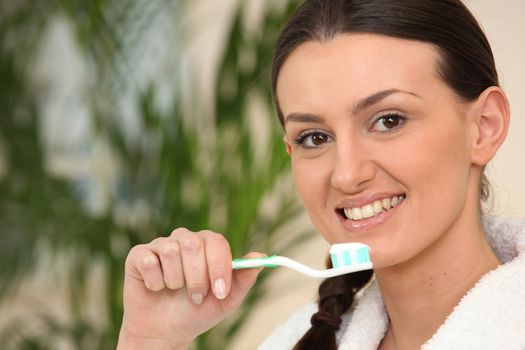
(263, 264)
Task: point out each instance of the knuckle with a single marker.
(148, 262)
(170, 250)
(173, 282)
(157, 240)
(179, 231)
(135, 250)
(216, 238)
(134, 253)
(191, 244)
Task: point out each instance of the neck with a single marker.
(420, 293)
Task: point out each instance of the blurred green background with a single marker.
(120, 121)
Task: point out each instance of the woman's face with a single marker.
(380, 145)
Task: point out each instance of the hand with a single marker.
(178, 287)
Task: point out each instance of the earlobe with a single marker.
(492, 124)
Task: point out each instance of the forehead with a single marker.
(355, 65)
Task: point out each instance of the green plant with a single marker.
(215, 173)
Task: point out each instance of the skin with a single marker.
(342, 93)
(171, 293)
(430, 147)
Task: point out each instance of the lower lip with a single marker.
(366, 224)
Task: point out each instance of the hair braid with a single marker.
(336, 295)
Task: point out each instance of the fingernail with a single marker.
(219, 288)
(197, 298)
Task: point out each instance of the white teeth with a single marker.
(394, 202)
(357, 214)
(373, 209)
(378, 207)
(368, 211)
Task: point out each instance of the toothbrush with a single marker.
(346, 258)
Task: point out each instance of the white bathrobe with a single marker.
(491, 316)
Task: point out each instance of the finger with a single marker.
(244, 279)
(219, 261)
(194, 266)
(168, 251)
(144, 264)
(180, 232)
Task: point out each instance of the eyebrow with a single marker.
(378, 97)
(304, 118)
(359, 106)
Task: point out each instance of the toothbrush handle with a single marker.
(274, 261)
(269, 261)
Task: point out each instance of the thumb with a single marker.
(244, 279)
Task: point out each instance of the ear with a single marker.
(288, 146)
(492, 117)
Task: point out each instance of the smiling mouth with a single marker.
(372, 209)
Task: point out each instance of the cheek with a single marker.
(435, 171)
(436, 159)
(448, 174)
(312, 178)
(306, 180)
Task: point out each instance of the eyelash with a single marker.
(401, 121)
(302, 139)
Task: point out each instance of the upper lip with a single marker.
(366, 199)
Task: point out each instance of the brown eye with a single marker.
(391, 122)
(313, 139)
(319, 139)
(388, 122)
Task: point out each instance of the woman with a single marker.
(391, 110)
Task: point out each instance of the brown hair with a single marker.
(466, 65)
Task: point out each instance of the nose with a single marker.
(353, 167)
